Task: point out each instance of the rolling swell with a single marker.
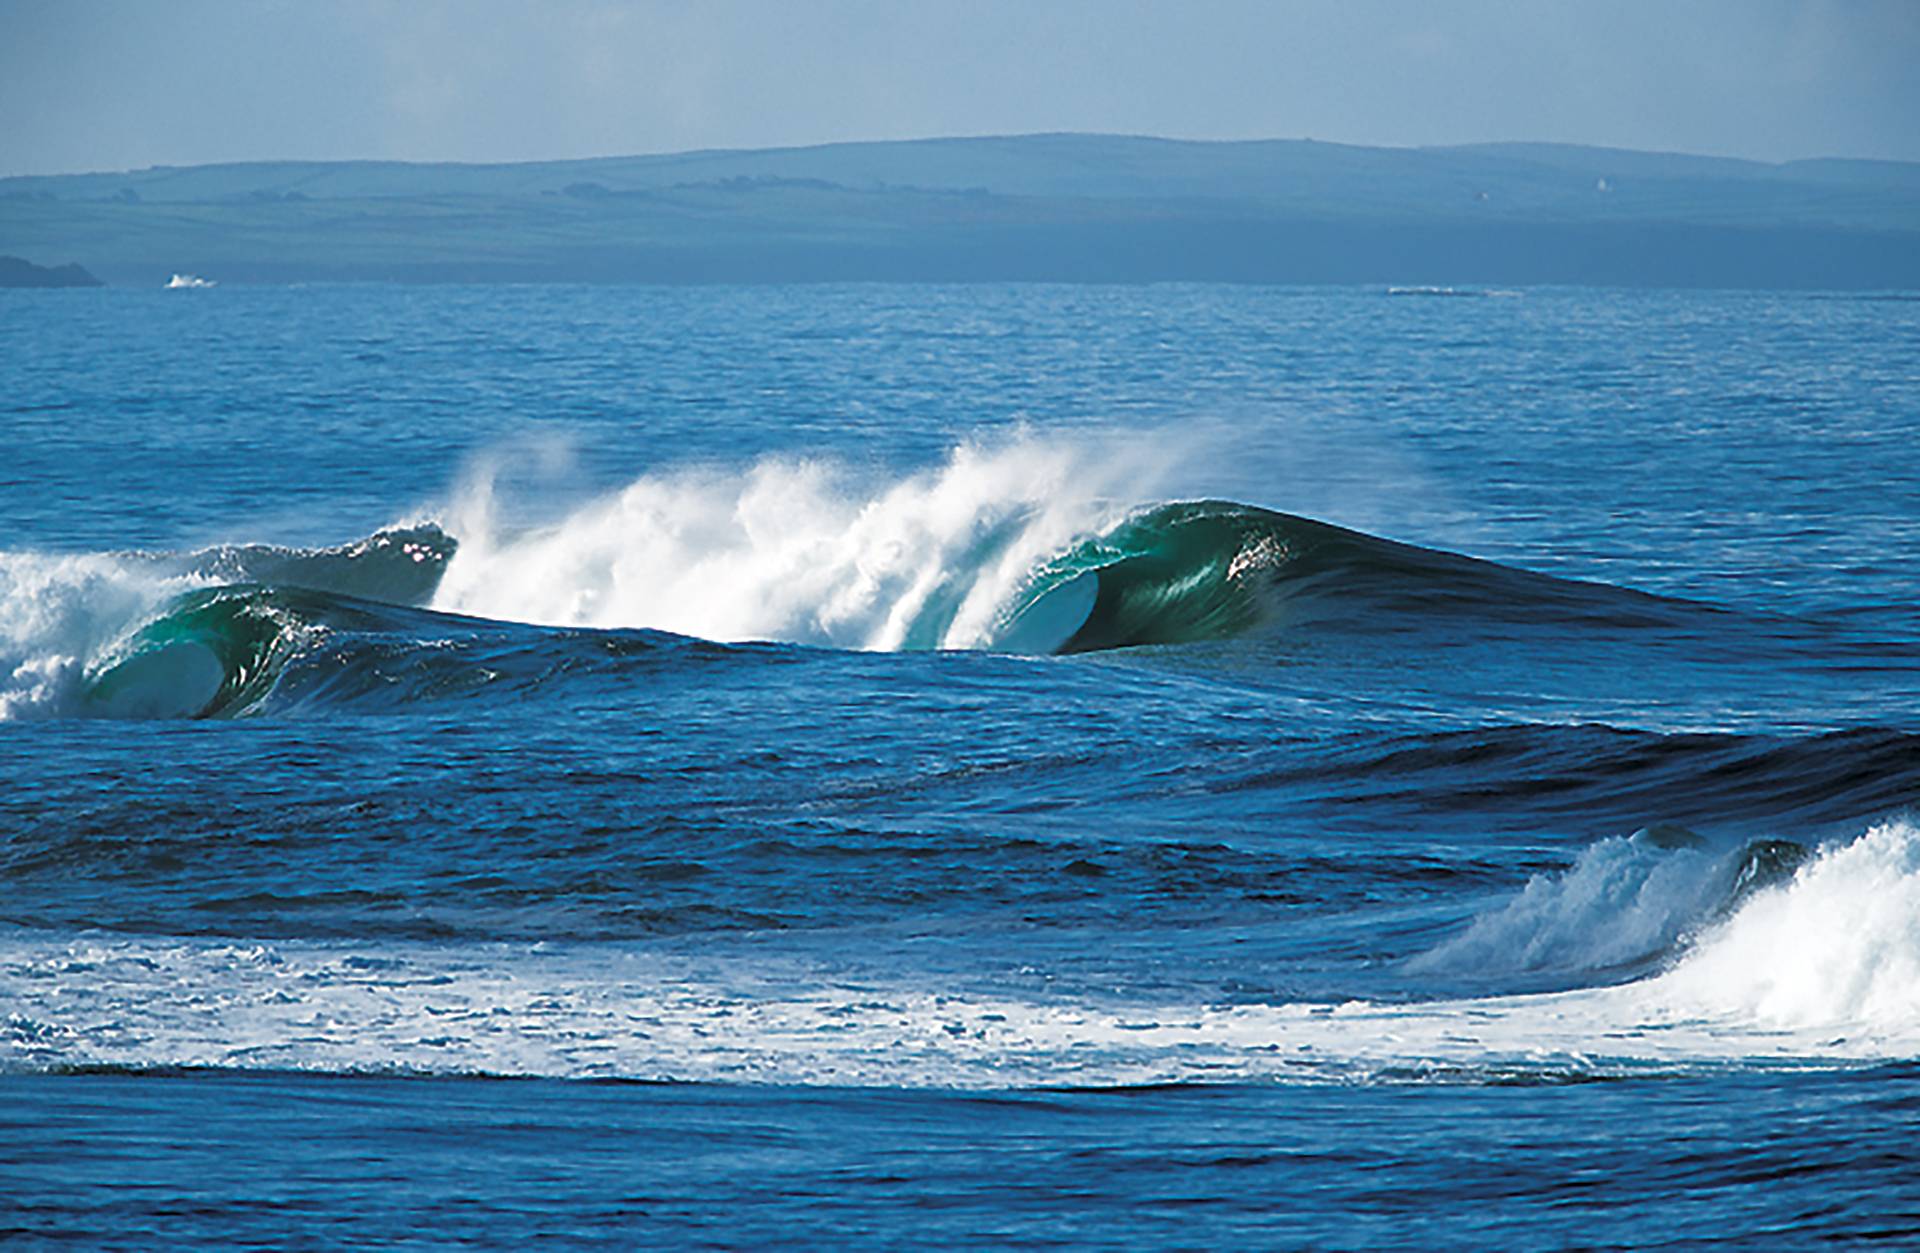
(1602, 778)
(677, 824)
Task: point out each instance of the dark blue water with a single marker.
(896, 765)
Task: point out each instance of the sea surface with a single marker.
(1167, 766)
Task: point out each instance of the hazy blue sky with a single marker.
(114, 84)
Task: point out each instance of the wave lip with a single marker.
(397, 566)
(212, 652)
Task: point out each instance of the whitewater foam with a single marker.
(795, 550)
(1838, 948)
(1625, 901)
(1821, 969)
(56, 614)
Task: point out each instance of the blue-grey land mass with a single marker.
(1052, 207)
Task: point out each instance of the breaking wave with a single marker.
(1819, 964)
(138, 634)
(1013, 551)
(1019, 550)
(1628, 904)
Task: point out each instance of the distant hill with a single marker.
(19, 272)
(1032, 207)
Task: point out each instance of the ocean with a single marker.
(1164, 766)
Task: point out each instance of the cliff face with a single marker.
(19, 272)
(1082, 208)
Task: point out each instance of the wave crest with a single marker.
(137, 634)
(1835, 948)
(1022, 549)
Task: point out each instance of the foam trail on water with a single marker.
(1821, 968)
(1821, 962)
(794, 550)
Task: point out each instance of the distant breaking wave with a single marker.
(1011, 552)
(1453, 291)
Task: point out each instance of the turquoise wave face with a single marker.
(1194, 571)
(1178, 573)
(219, 650)
(237, 651)
(214, 652)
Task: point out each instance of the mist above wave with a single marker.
(792, 550)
